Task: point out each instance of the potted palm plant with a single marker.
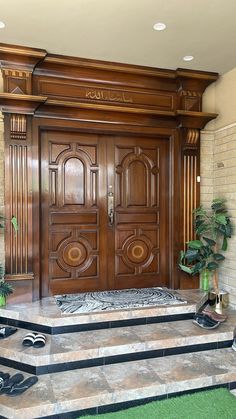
(203, 256)
(5, 287)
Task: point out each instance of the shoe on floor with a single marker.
(7, 331)
(37, 340)
(29, 339)
(214, 316)
(205, 322)
(234, 345)
(18, 389)
(3, 378)
(10, 382)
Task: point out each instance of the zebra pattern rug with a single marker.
(117, 300)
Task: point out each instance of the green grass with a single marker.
(213, 404)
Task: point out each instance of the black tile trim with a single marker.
(115, 407)
(114, 359)
(94, 326)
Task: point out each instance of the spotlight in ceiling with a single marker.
(188, 57)
(159, 26)
(2, 25)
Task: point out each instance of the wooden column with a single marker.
(190, 100)
(17, 81)
(18, 196)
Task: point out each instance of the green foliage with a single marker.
(5, 288)
(213, 229)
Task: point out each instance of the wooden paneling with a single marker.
(18, 197)
(191, 191)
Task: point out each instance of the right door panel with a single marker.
(141, 189)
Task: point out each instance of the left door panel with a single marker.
(73, 212)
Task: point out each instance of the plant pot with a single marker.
(218, 300)
(205, 277)
(2, 300)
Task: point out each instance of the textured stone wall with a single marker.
(218, 152)
(218, 179)
(224, 183)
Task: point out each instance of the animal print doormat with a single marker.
(117, 300)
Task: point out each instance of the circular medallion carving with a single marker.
(74, 254)
(137, 251)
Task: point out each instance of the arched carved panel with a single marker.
(137, 176)
(136, 183)
(74, 182)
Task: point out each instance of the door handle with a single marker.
(110, 208)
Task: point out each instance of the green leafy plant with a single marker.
(213, 229)
(5, 288)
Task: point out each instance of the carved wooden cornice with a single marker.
(22, 104)
(36, 82)
(189, 119)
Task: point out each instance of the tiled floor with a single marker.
(126, 380)
(70, 347)
(99, 386)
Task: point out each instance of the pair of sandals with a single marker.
(208, 319)
(7, 331)
(15, 385)
(37, 340)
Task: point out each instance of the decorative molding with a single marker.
(190, 201)
(192, 119)
(19, 200)
(190, 100)
(18, 127)
(18, 196)
(19, 103)
(17, 81)
(192, 137)
(20, 277)
(190, 93)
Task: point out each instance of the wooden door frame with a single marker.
(43, 91)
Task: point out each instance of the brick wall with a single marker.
(218, 179)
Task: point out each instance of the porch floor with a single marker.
(127, 358)
(46, 312)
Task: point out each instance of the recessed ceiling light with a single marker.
(2, 25)
(159, 26)
(188, 58)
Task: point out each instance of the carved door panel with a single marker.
(73, 209)
(138, 173)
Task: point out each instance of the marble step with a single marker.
(102, 347)
(46, 317)
(71, 394)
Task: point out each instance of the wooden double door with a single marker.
(104, 212)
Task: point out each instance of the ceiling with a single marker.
(122, 30)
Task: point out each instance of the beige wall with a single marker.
(218, 163)
(220, 97)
